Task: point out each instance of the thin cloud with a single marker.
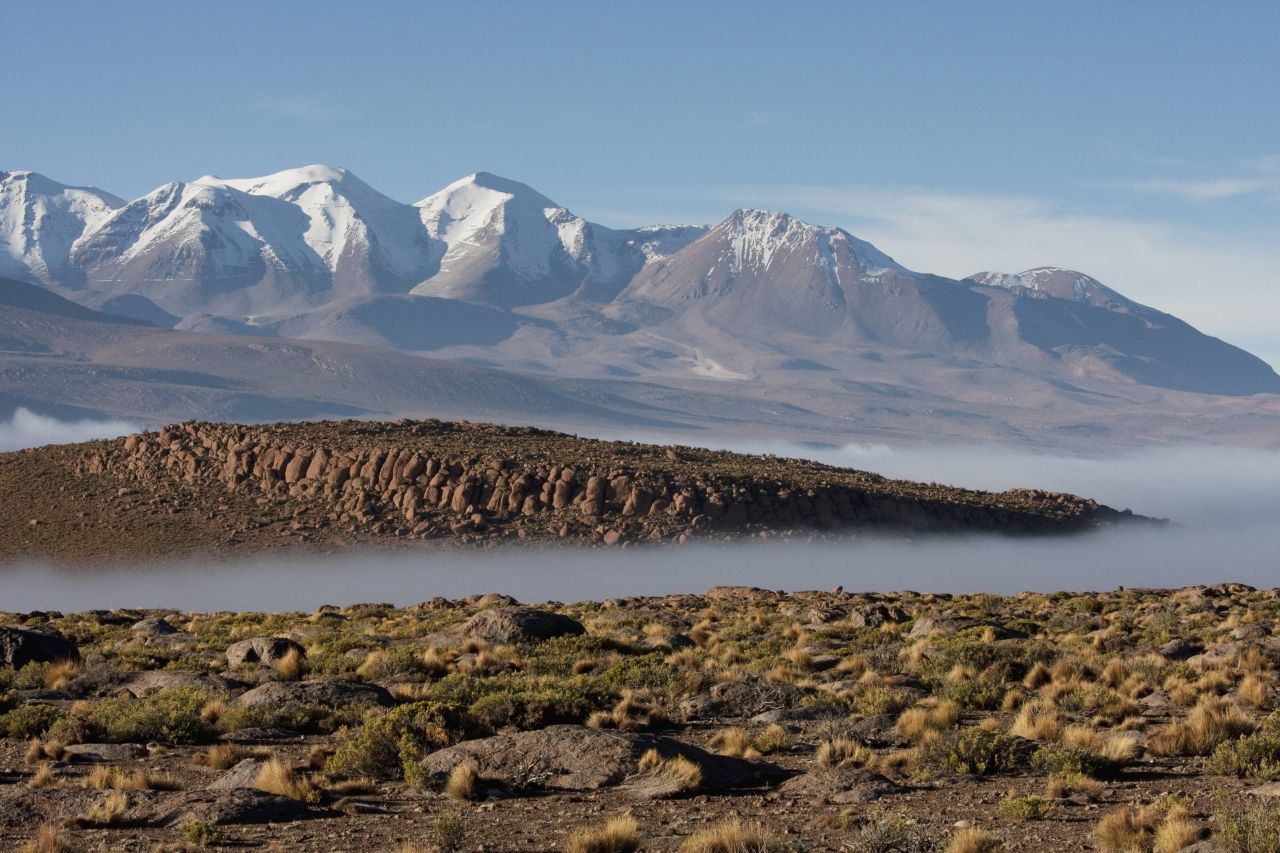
(314, 108)
(1224, 284)
(28, 429)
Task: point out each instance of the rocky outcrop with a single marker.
(280, 695)
(518, 625)
(431, 479)
(577, 758)
(264, 650)
(21, 646)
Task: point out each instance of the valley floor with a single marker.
(739, 719)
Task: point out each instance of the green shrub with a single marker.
(1253, 830)
(972, 751)
(875, 701)
(389, 746)
(1026, 808)
(534, 708)
(28, 721)
(199, 833)
(171, 716)
(310, 719)
(1063, 759)
(1256, 756)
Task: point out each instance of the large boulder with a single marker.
(841, 786)
(21, 646)
(577, 758)
(281, 695)
(742, 699)
(241, 805)
(265, 650)
(518, 625)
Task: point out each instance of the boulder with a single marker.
(279, 695)
(242, 775)
(1178, 649)
(95, 752)
(21, 646)
(266, 650)
(519, 625)
(153, 625)
(742, 699)
(242, 805)
(145, 683)
(841, 786)
(943, 626)
(577, 758)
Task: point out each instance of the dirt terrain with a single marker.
(225, 488)
(740, 719)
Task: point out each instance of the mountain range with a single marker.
(490, 273)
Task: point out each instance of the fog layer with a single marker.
(27, 429)
(1224, 504)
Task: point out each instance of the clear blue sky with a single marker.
(1139, 141)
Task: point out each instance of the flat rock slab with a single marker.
(21, 646)
(518, 625)
(242, 775)
(266, 650)
(332, 694)
(243, 805)
(92, 752)
(577, 758)
(838, 785)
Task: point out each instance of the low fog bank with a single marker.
(1150, 557)
(1225, 505)
(1199, 487)
(27, 429)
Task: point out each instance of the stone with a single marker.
(153, 625)
(944, 625)
(277, 695)
(243, 805)
(577, 758)
(21, 646)
(1178, 649)
(742, 699)
(242, 775)
(95, 752)
(841, 786)
(266, 650)
(519, 625)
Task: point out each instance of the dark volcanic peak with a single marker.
(230, 486)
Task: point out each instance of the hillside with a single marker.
(224, 487)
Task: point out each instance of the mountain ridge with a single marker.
(491, 270)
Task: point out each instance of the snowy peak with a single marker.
(40, 219)
(1057, 283)
(757, 237)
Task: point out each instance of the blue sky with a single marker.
(1137, 141)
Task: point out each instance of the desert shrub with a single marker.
(533, 708)
(619, 835)
(1030, 807)
(1253, 830)
(1211, 722)
(970, 839)
(888, 832)
(731, 836)
(311, 719)
(1256, 756)
(388, 746)
(877, 700)
(199, 834)
(1069, 760)
(973, 751)
(170, 716)
(983, 693)
(28, 721)
(448, 833)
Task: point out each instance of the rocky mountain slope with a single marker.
(489, 269)
(224, 486)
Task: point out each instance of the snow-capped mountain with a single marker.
(489, 269)
(40, 219)
(508, 245)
